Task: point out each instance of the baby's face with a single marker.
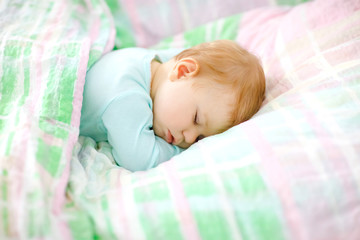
(184, 114)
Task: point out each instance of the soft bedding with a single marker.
(290, 172)
(143, 23)
(45, 49)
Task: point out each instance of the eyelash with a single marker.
(199, 138)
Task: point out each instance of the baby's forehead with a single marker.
(218, 108)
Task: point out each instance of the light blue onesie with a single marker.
(117, 108)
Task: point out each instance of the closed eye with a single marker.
(196, 119)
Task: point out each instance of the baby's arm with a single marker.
(128, 120)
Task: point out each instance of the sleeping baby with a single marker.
(150, 105)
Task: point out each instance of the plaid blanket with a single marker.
(45, 49)
(291, 172)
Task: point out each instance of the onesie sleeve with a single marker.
(128, 122)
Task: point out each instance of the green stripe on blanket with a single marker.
(44, 51)
(145, 196)
(225, 28)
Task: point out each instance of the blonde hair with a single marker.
(232, 66)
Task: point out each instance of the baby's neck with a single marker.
(159, 74)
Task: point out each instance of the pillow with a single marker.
(300, 46)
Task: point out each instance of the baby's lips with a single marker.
(169, 137)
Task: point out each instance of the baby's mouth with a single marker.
(169, 137)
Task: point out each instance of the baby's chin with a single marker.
(184, 145)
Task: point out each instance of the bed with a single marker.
(290, 172)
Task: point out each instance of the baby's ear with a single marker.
(183, 68)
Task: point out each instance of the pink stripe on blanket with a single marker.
(131, 9)
(187, 221)
(277, 179)
(325, 12)
(95, 29)
(260, 21)
(59, 193)
(17, 189)
(111, 41)
(59, 199)
(335, 161)
(122, 215)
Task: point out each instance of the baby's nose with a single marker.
(190, 136)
